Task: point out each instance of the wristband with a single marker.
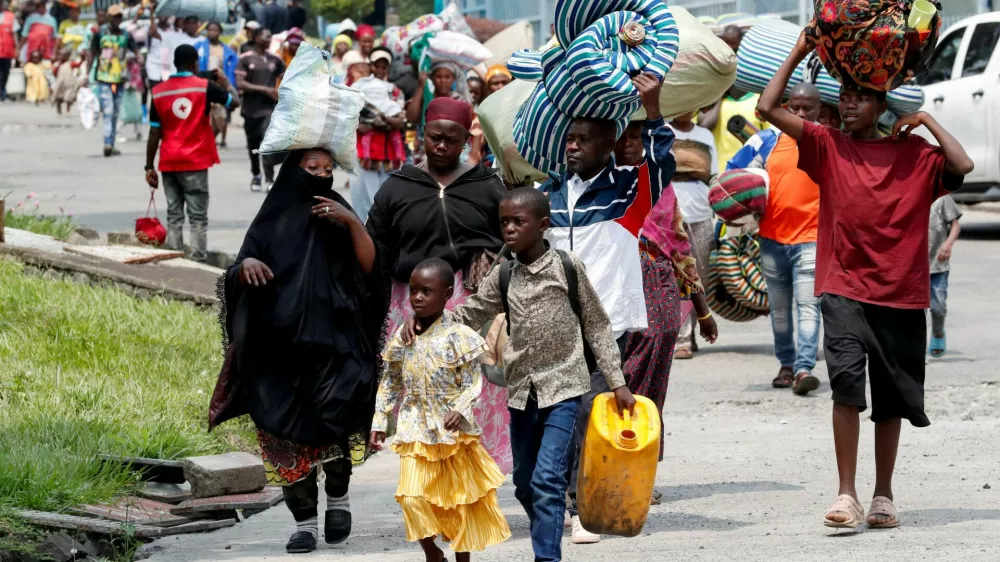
(705, 317)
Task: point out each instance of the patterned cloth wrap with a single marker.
(868, 42)
(592, 77)
(739, 197)
(766, 46)
(736, 289)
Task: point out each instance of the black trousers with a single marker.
(4, 75)
(302, 497)
(255, 127)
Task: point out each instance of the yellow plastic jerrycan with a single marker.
(618, 467)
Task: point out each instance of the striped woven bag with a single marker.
(718, 298)
(736, 267)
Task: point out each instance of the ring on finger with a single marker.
(326, 210)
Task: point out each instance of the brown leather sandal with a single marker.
(785, 378)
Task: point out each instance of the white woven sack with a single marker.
(452, 46)
(454, 20)
(496, 116)
(89, 107)
(704, 69)
(205, 10)
(315, 110)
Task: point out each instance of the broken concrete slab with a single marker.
(138, 511)
(166, 493)
(223, 475)
(264, 499)
(61, 547)
(154, 470)
(116, 528)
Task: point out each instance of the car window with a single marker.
(943, 59)
(984, 40)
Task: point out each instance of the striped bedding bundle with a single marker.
(766, 46)
(606, 43)
(736, 289)
(739, 197)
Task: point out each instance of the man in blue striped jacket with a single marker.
(597, 212)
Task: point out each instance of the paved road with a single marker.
(55, 158)
(749, 470)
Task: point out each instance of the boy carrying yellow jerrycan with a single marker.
(618, 467)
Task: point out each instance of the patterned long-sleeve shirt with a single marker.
(545, 348)
(439, 373)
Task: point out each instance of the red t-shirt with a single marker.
(875, 204)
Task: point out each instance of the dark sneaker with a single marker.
(108, 150)
(805, 383)
(268, 184)
(255, 184)
(301, 542)
(337, 527)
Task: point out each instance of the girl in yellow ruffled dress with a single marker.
(447, 480)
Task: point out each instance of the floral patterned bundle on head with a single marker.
(870, 43)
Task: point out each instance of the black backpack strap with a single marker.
(572, 283)
(506, 268)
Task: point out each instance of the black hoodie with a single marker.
(414, 218)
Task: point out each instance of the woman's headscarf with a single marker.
(498, 70)
(342, 39)
(303, 349)
(365, 30)
(447, 109)
(460, 86)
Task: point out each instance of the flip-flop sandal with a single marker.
(937, 347)
(883, 506)
(848, 505)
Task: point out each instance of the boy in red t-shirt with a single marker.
(872, 270)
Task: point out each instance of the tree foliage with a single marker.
(410, 10)
(337, 10)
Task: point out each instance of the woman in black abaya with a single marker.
(303, 309)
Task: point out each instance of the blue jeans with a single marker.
(111, 102)
(939, 302)
(541, 440)
(790, 271)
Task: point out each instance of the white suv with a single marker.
(962, 91)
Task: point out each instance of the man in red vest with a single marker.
(180, 118)
(8, 45)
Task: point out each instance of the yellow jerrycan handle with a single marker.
(626, 438)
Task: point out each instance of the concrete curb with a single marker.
(118, 273)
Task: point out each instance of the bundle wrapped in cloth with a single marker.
(766, 46)
(739, 197)
(315, 109)
(399, 38)
(602, 45)
(875, 44)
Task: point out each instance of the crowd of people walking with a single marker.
(348, 322)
